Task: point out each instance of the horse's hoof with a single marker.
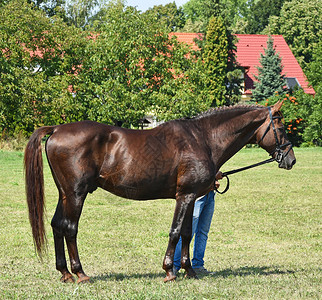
(67, 278)
(83, 279)
(170, 278)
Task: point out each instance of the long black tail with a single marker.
(35, 186)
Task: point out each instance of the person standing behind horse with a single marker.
(202, 217)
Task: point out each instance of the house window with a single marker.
(292, 83)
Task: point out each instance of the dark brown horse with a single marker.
(178, 159)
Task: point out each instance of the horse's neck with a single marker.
(229, 134)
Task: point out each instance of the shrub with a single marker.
(313, 130)
(302, 116)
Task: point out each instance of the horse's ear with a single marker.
(277, 106)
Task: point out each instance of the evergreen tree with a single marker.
(221, 62)
(215, 56)
(270, 79)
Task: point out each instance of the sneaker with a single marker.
(202, 271)
(175, 271)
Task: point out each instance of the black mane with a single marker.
(215, 111)
(222, 109)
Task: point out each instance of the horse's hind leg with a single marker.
(65, 224)
(71, 241)
(56, 223)
(73, 211)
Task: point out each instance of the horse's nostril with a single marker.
(293, 162)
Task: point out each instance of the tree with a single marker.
(218, 41)
(314, 70)
(261, 11)
(81, 12)
(38, 57)
(313, 130)
(300, 24)
(52, 73)
(200, 12)
(132, 69)
(270, 79)
(215, 56)
(50, 7)
(170, 15)
(237, 13)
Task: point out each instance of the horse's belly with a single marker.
(130, 177)
(143, 189)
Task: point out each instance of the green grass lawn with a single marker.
(265, 239)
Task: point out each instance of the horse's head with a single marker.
(271, 136)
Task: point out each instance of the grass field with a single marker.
(265, 239)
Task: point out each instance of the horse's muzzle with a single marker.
(287, 163)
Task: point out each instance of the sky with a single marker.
(143, 5)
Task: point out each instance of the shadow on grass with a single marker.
(122, 276)
(239, 272)
(252, 270)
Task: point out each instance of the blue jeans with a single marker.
(202, 216)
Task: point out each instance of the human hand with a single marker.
(217, 184)
(219, 176)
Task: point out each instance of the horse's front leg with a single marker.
(183, 211)
(186, 235)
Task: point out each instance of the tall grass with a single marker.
(16, 143)
(264, 242)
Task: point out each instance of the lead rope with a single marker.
(225, 174)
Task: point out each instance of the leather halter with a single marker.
(279, 157)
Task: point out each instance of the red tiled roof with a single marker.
(187, 37)
(249, 47)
